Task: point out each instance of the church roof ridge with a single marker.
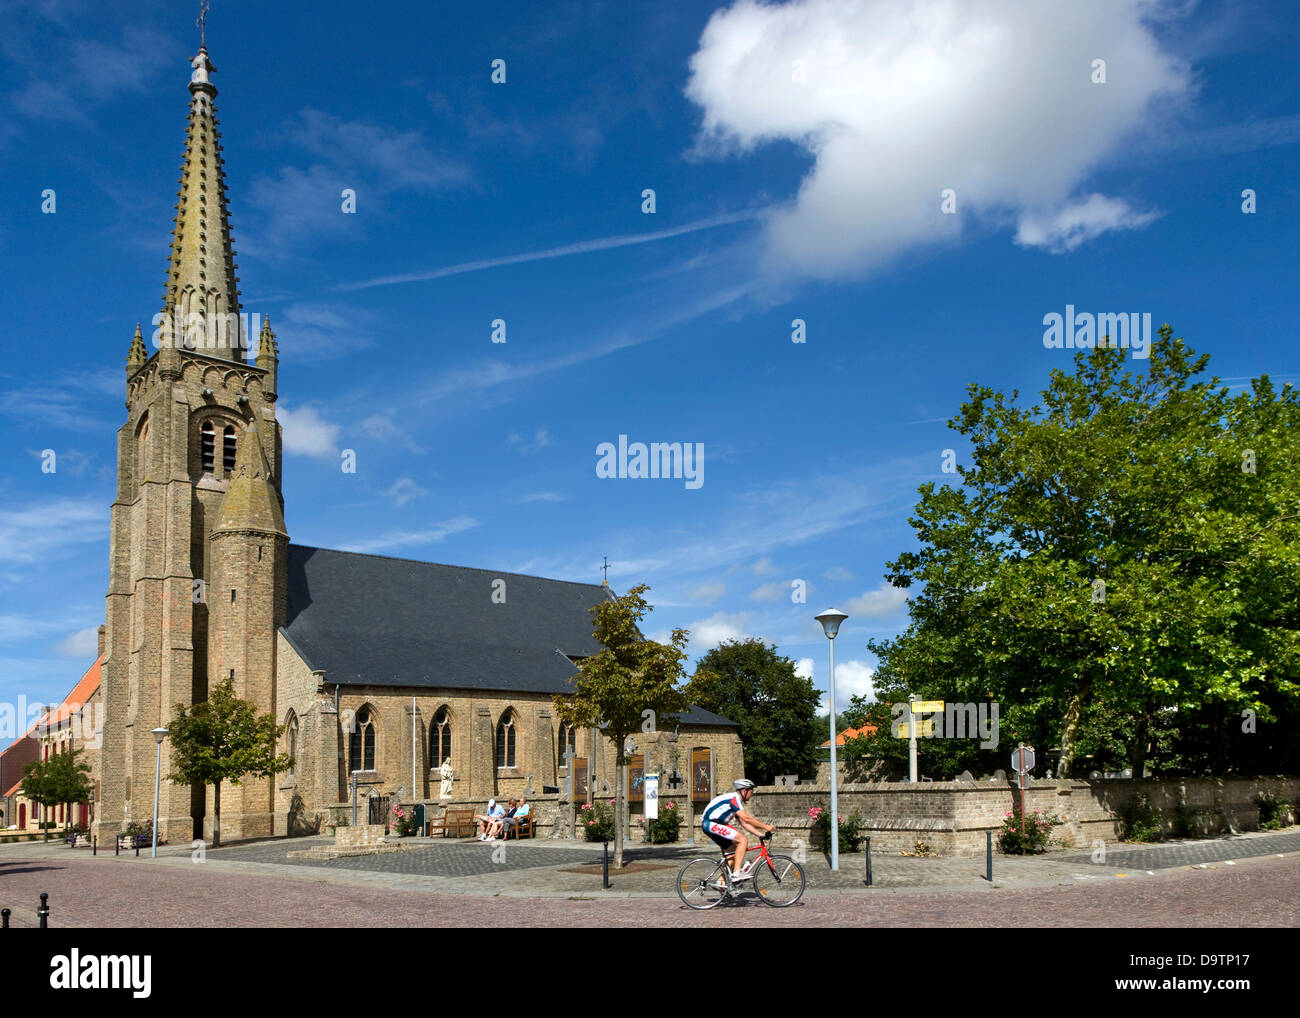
(446, 565)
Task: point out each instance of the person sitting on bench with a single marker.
(486, 820)
(511, 820)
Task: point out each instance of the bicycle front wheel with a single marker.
(701, 883)
(781, 883)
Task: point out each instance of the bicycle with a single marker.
(777, 879)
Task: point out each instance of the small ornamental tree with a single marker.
(615, 687)
(224, 739)
(68, 781)
(36, 786)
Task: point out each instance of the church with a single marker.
(380, 669)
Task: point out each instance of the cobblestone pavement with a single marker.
(174, 892)
(1190, 853)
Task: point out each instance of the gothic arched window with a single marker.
(228, 449)
(361, 742)
(506, 741)
(439, 739)
(208, 446)
(293, 743)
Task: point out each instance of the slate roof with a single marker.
(372, 620)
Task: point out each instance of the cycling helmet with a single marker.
(743, 783)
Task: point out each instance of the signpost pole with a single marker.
(911, 738)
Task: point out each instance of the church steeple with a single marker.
(201, 272)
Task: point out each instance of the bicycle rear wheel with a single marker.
(697, 883)
(781, 883)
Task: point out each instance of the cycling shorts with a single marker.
(721, 834)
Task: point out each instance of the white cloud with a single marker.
(306, 433)
(543, 496)
(1079, 223)
(774, 591)
(708, 633)
(897, 102)
(852, 678)
(764, 567)
(837, 574)
(404, 490)
(707, 592)
(882, 602)
(804, 667)
(82, 644)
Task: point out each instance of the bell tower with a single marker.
(198, 517)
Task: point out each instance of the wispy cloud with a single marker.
(48, 530)
(414, 538)
(540, 440)
(564, 251)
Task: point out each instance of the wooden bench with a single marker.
(458, 819)
(522, 827)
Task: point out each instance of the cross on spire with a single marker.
(201, 21)
(605, 567)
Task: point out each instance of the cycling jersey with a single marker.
(721, 809)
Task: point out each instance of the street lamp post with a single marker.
(830, 620)
(158, 735)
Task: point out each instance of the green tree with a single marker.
(223, 739)
(1133, 542)
(748, 682)
(69, 781)
(616, 686)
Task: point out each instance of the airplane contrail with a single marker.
(582, 247)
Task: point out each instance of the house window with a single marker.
(439, 739)
(361, 752)
(207, 446)
(228, 449)
(506, 742)
(568, 740)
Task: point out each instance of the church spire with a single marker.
(201, 272)
(137, 355)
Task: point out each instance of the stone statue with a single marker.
(447, 774)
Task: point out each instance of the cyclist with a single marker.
(725, 809)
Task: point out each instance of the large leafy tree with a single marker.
(748, 682)
(1132, 542)
(616, 686)
(224, 739)
(61, 780)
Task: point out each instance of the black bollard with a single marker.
(606, 866)
(117, 845)
(94, 845)
(4, 919)
(44, 912)
(988, 856)
(137, 846)
(868, 862)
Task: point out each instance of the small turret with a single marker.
(268, 356)
(137, 355)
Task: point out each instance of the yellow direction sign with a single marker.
(924, 731)
(927, 706)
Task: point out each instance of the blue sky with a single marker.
(797, 153)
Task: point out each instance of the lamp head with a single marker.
(830, 620)
(159, 734)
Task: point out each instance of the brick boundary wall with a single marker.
(952, 816)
